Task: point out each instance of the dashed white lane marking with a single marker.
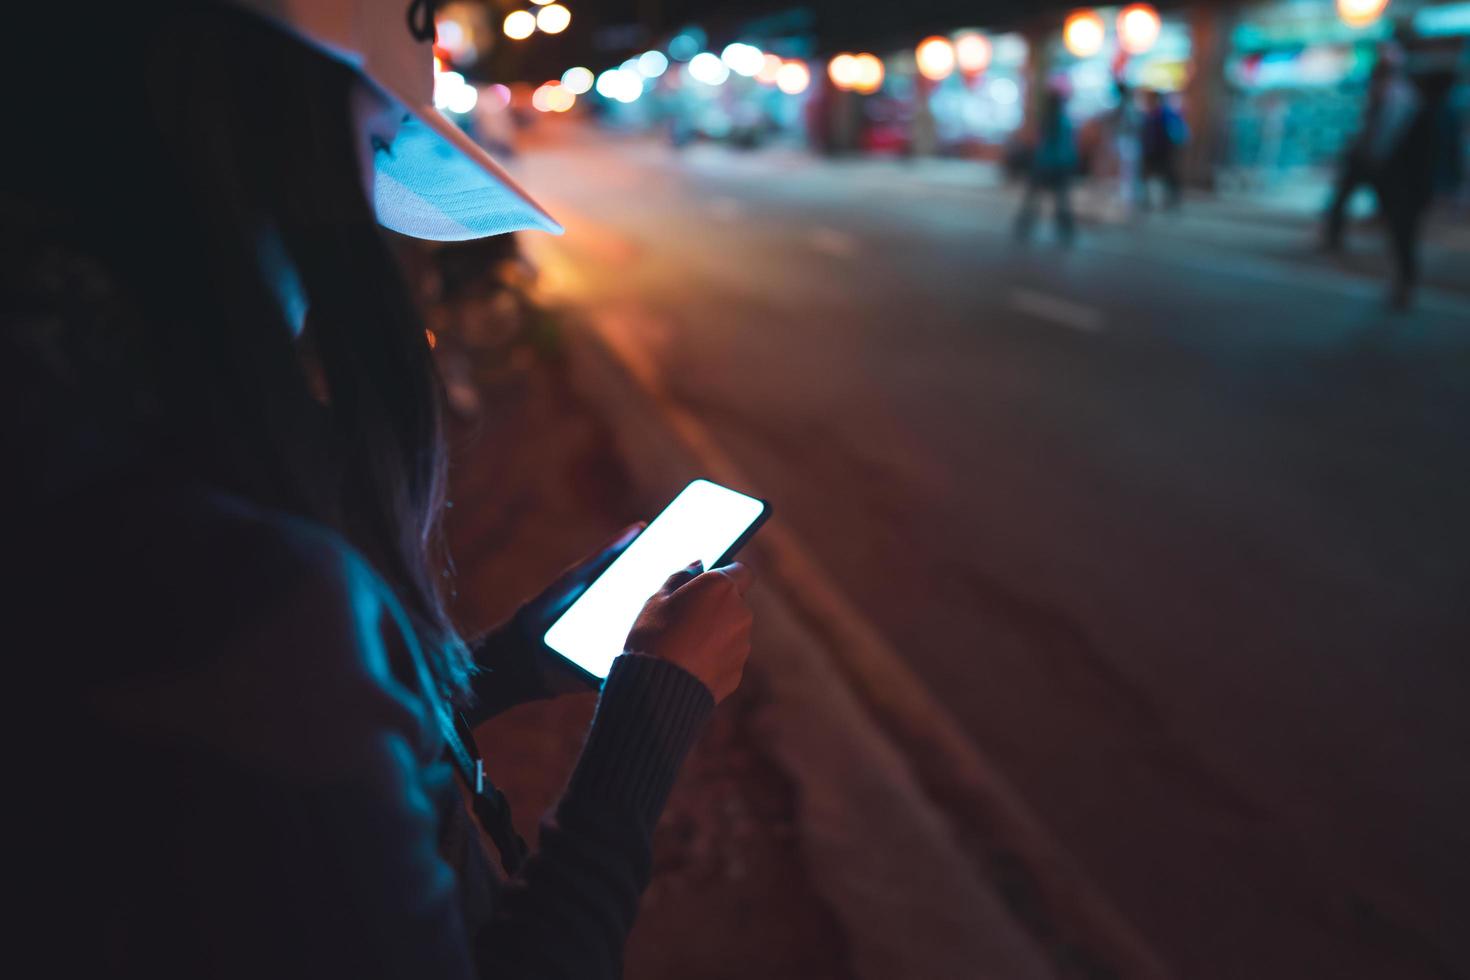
(725, 208)
(1074, 316)
(830, 241)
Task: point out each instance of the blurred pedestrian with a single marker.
(1394, 153)
(1052, 168)
(247, 702)
(1127, 133)
(1164, 136)
(1388, 107)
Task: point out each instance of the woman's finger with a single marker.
(582, 573)
(686, 574)
(609, 552)
(740, 574)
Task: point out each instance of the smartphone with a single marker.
(705, 521)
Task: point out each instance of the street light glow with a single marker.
(453, 94)
(972, 53)
(652, 64)
(935, 58)
(770, 69)
(743, 59)
(793, 78)
(620, 85)
(1360, 13)
(869, 74)
(1083, 33)
(519, 25)
(464, 100)
(708, 68)
(577, 80)
(1138, 27)
(553, 18)
(843, 70)
(552, 97)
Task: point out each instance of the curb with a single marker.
(869, 749)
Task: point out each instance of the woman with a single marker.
(247, 701)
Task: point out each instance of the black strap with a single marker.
(491, 807)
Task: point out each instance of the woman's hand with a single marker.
(699, 621)
(538, 614)
(520, 665)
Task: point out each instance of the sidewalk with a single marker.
(534, 487)
(1280, 223)
(831, 822)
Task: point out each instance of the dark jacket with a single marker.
(226, 756)
(255, 779)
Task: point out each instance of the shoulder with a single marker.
(277, 642)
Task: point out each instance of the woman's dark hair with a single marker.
(193, 149)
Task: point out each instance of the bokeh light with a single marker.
(843, 70)
(1138, 28)
(743, 59)
(577, 80)
(620, 85)
(793, 78)
(553, 18)
(709, 69)
(869, 74)
(972, 53)
(1004, 91)
(1360, 13)
(519, 25)
(463, 99)
(452, 93)
(770, 69)
(1083, 33)
(652, 64)
(683, 47)
(935, 58)
(451, 37)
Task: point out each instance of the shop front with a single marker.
(1297, 76)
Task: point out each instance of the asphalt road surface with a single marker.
(1175, 522)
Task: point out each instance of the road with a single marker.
(1173, 522)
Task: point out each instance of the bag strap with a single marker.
(491, 808)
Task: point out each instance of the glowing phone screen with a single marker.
(703, 522)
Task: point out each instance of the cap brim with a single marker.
(437, 184)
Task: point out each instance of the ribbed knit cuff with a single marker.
(647, 719)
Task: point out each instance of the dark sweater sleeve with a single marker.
(568, 912)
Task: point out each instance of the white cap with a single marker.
(434, 182)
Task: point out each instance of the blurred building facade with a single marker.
(1270, 91)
